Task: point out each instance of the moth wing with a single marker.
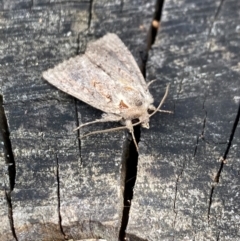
(82, 79)
(113, 57)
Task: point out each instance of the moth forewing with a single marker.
(111, 55)
(107, 77)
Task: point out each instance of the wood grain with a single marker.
(188, 168)
(64, 188)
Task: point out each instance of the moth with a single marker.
(108, 78)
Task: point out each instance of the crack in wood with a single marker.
(211, 28)
(235, 124)
(78, 131)
(223, 160)
(210, 202)
(132, 160)
(196, 147)
(129, 182)
(156, 22)
(10, 213)
(10, 163)
(90, 13)
(59, 199)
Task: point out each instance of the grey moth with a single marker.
(108, 78)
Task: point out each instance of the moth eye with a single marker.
(138, 103)
(150, 111)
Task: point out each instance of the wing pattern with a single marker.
(106, 76)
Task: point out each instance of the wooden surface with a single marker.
(188, 178)
(63, 188)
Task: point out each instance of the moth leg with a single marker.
(104, 131)
(129, 125)
(105, 118)
(153, 108)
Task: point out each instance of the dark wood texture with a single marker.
(63, 188)
(188, 178)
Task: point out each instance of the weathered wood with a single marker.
(5, 183)
(64, 188)
(188, 169)
(188, 180)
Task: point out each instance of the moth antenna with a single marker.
(152, 81)
(166, 111)
(162, 101)
(153, 108)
